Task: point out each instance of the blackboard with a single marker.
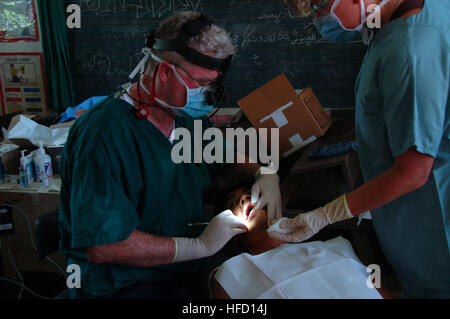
(269, 38)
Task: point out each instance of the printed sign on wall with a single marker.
(22, 83)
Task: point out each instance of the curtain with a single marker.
(56, 55)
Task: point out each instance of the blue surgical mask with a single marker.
(196, 101)
(331, 30)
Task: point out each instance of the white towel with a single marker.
(319, 270)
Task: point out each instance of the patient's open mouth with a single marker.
(247, 211)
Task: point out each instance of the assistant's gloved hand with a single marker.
(304, 226)
(266, 192)
(220, 230)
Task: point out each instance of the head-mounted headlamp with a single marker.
(189, 30)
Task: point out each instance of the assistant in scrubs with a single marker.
(126, 207)
(403, 135)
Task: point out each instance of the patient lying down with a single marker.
(273, 269)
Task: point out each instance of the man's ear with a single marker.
(163, 71)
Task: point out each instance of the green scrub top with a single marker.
(118, 176)
(402, 97)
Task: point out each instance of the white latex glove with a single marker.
(266, 192)
(219, 231)
(304, 226)
(300, 228)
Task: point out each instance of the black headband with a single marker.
(188, 31)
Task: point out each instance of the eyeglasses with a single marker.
(197, 81)
(320, 7)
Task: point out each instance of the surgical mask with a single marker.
(196, 100)
(328, 25)
(331, 30)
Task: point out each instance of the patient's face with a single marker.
(239, 202)
(256, 240)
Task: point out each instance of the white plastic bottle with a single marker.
(26, 170)
(43, 164)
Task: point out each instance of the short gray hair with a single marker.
(213, 40)
(299, 7)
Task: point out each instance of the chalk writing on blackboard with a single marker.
(151, 8)
(269, 39)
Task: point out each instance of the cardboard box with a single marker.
(11, 162)
(29, 132)
(299, 115)
(22, 142)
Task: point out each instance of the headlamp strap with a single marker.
(189, 30)
(141, 66)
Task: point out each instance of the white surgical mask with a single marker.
(325, 24)
(364, 18)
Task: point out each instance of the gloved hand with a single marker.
(219, 231)
(304, 226)
(266, 191)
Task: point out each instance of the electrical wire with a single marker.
(31, 236)
(57, 266)
(24, 287)
(13, 263)
(21, 283)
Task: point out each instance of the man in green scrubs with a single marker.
(126, 207)
(403, 135)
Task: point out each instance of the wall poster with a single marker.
(22, 85)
